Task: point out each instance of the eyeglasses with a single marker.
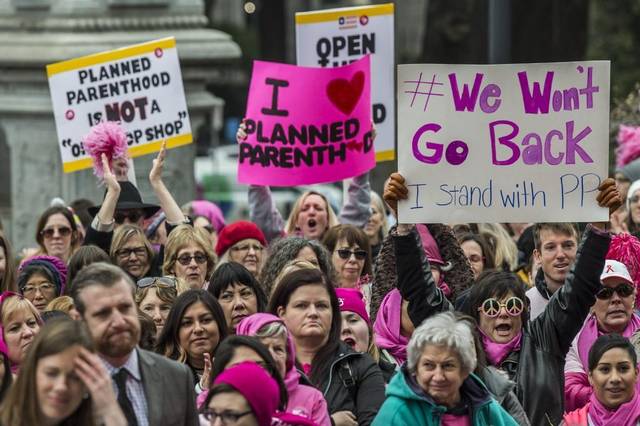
(491, 307)
(132, 215)
(346, 254)
(160, 281)
(126, 252)
(185, 259)
(634, 199)
(63, 231)
(246, 247)
(29, 290)
(623, 290)
(226, 417)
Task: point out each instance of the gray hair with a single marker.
(284, 251)
(443, 330)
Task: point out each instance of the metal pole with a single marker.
(499, 31)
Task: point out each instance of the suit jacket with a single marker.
(170, 392)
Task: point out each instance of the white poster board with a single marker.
(503, 143)
(140, 86)
(335, 37)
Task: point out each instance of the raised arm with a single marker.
(415, 281)
(167, 202)
(561, 320)
(357, 209)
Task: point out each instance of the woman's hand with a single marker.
(121, 168)
(155, 175)
(344, 418)
(109, 179)
(98, 382)
(395, 190)
(241, 134)
(205, 380)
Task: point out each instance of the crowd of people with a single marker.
(142, 314)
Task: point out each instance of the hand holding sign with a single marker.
(306, 125)
(395, 190)
(609, 196)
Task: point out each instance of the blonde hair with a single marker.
(505, 250)
(61, 303)
(122, 235)
(16, 303)
(377, 201)
(292, 265)
(181, 237)
(291, 225)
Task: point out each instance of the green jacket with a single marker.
(406, 405)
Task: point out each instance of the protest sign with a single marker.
(503, 143)
(306, 125)
(335, 37)
(140, 86)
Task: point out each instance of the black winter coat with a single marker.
(538, 367)
(355, 384)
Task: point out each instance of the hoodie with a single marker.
(305, 401)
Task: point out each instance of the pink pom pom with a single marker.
(106, 138)
(628, 145)
(625, 248)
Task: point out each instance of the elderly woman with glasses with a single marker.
(41, 279)
(436, 385)
(242, 242)
(132, 251)
(612, 313)
(189, 256)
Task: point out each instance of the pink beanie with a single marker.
(209, 210)
(257, 386)
(351, 300)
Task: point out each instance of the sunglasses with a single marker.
(185, 259)
(160, 281)
(126, 252)
(491, 307)
(623, 290)
(132, 215)
(63, 231)
(346, 254)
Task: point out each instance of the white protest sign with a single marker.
(503, 143)
(336, 37)
(140, 86)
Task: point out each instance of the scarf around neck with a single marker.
(498, 352)
(590, 332)
(625, 415)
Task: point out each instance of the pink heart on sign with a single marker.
(345, 94)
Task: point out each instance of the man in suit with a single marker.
(152, 390)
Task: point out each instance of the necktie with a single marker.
(123, 400)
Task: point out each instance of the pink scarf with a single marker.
(626, 414)
(590, 332)
(498, 352)
(388, 325)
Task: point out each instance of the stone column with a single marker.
(34, 33)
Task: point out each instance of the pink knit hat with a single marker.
(257, 386)
(351, 300)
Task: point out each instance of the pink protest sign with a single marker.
(307, 125)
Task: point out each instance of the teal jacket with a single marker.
(407, 405)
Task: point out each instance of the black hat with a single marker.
(130, 199)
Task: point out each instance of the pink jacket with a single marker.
(305, 401)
